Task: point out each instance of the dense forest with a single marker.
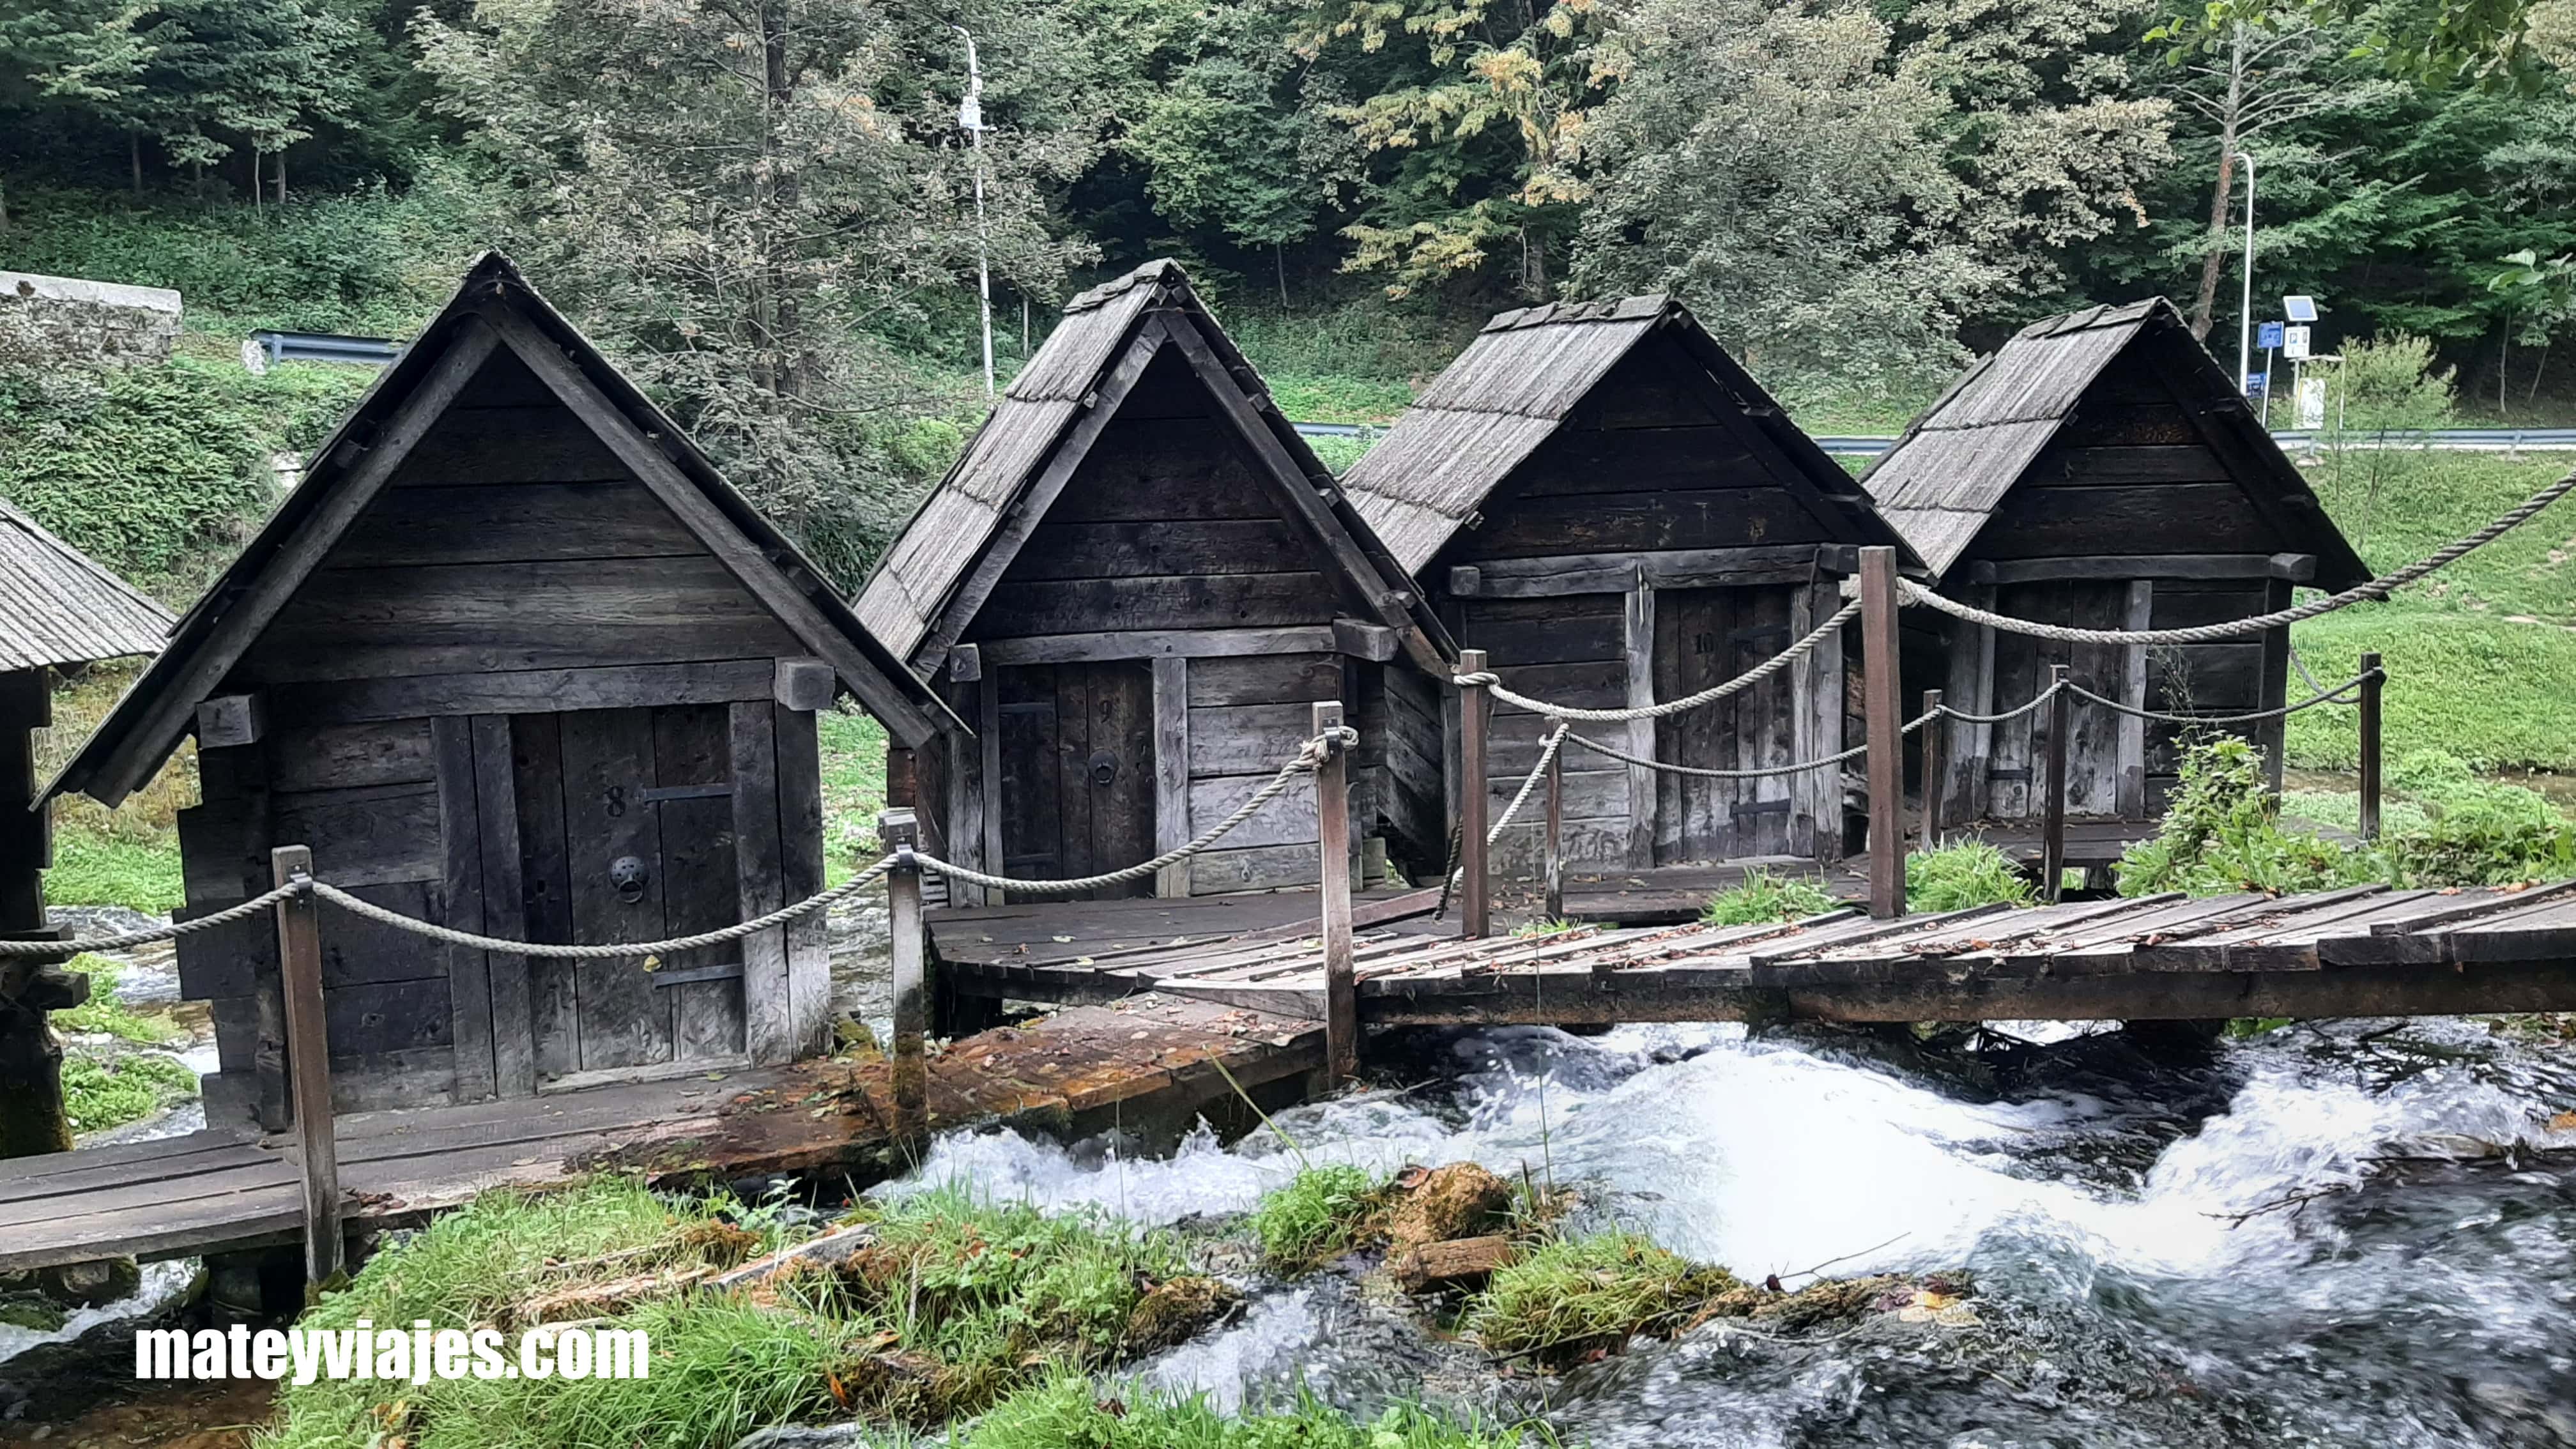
(772, 210)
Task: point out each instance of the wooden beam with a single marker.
(897, 832)
(242, 619)
(1637, 657)
(1333, 892)
(988, 746)
(905, 717)
(1552, 864)
(308, 1061)
(231, 719)
(2369, 725)
(1474, 795)
(1936, 770)
(760, 885)
(2117, 567)
(966, 663)
(1159, 644)
(806, 684)
(505, 914)
(970, 800)
(1559, 575)
(1373, 642)
(2052, 853)
(1886, 739)
(1172, 824)
(525, 691)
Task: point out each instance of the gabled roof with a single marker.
(57, 606)
(1958, 461)
(929, 585)
(1518, 383)
(493, 311)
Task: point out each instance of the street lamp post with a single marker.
(970, 118)
(2245, 309)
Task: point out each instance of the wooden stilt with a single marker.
(1885, 733)
(1936, 768)
(2370, 784)
(2052, 857)
(308, 1067)
(897, 832)
(1474, 706)
(1332, 817)
(1554, 865)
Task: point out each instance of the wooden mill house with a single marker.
(1132, 588)
(58, 610)
(2100, 470)
(512, 658)
(1602, 500)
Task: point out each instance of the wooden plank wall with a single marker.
(1572, 649)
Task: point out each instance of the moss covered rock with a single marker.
(1174, 1309)
(1435, 1205)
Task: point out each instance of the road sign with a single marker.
(2294, 343)
(2257, 383)
(2267, 335)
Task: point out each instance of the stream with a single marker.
(2324, 1236)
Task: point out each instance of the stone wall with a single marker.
(53, 321)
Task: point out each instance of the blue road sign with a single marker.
(2257, 383)
(2267, 335)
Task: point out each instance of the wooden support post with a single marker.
(1171, 773)
(2371, 685)
(1936, 767)
(1554, 865)
(1885, 733)
(897, 832)
(1474, 796)
(2052, 853)
(308, 1067)
(1333, 890)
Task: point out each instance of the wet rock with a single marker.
(799, 1436)
(1174, 1310)
(1439, 1204)
(32, 1311)
(1461, 1263)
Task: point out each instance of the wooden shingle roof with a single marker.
(58, 606)
(932, 580)
(1960, 459)
(1516, 385)
(494, 312)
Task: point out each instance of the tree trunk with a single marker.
(1534, 265)
(2204, 306)
(134, 159)
(1279, 259)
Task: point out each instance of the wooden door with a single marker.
(2016, 785)
(1077, 786)
(627, 833)
(1705, 637)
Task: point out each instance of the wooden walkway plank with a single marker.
(2424, 939)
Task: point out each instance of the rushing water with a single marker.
(2327, 1236)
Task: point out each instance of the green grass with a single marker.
(1075, 1413)
(2425, 500)
(853, 745)
(1594, 1291)
(1966, 873)
(91, 869)
(1322, 1213)
(1766, 896)
(103, 1090)
(2499, 695)
(103, 1013)
(1319, 397)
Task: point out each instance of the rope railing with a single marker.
(1493, 684)
(2344, 693)
(1761, 772)
(2375, 590)
(151, 934)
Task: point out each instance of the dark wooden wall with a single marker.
(1650, 526)
(2137, 516)
(511, 576)
(1168, 564)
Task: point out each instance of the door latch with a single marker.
(626, 873)
(1104, 767)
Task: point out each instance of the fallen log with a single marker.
(1459, 1263)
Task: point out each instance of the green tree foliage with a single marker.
(749, 202)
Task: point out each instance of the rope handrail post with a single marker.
(1936, 742)
(2372, 682)
(308, 1066)
(2052, 849)
(898, 831)
(1475, 707)
(1333, 893)
(1879, 685)
(1552, 868)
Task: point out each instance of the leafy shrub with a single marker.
(2222, 833)
(1322, 1213)
(102, 1091)
(1963, 874)
(104, 1014)
(1764, 896)
(93, 869)
(1576, 1293)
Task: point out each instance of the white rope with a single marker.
(1547, 752)
(1761, 773)
(1310, 755)
(1759, 672)
(2376, 589)
(607, 951)
(2016, 712)
(150, 934)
